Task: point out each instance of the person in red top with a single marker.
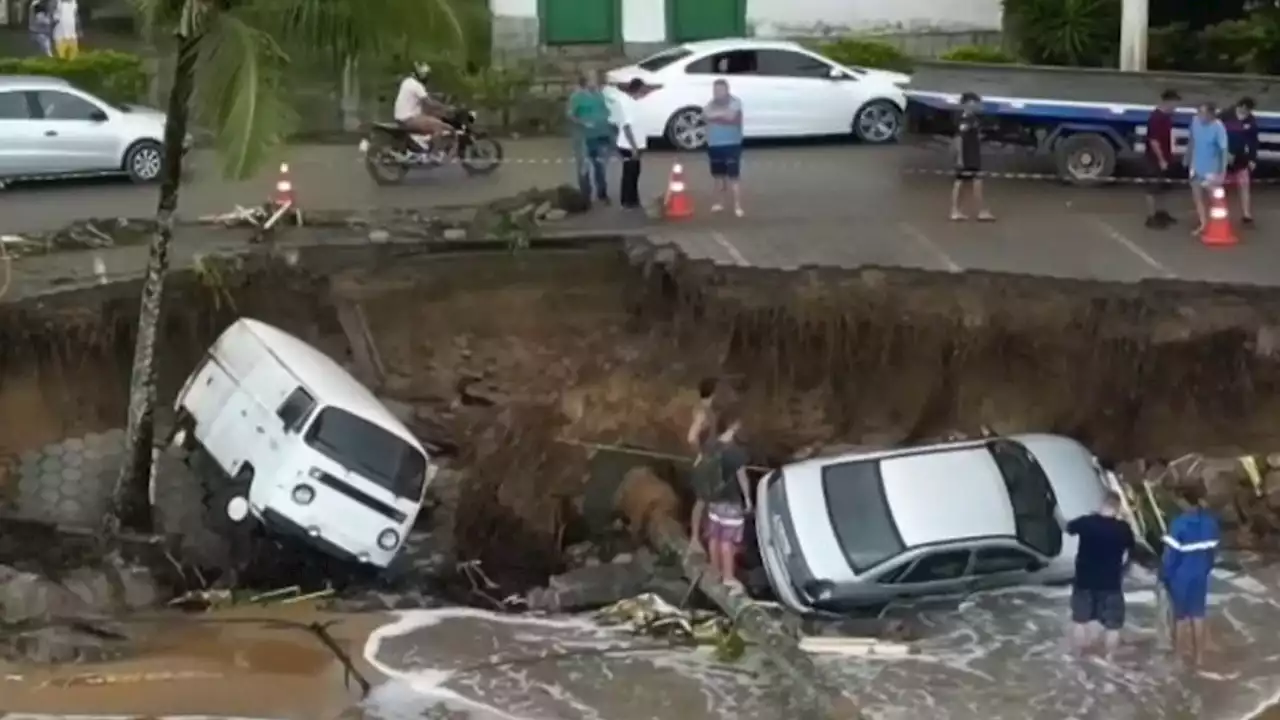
(1161, 163)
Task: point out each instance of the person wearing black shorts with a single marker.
(1162, 166)
(968, 155)
(1097, 595)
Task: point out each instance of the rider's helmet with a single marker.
(422, 71)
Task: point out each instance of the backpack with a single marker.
(709, 482)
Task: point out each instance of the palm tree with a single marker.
(233, 57)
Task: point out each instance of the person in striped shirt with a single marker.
(1190, 548)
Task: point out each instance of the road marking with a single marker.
(924, 241)
(730, 248)
(1123, 241)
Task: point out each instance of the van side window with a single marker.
(295, 409)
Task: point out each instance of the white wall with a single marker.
(835, 17)
(514, 8)
(643, 21)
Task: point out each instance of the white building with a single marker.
(654, 22)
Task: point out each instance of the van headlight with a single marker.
(388, 539)
(303, 494)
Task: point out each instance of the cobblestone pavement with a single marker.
(829, 204)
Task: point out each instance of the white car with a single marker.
(49, 128)
(786, 89)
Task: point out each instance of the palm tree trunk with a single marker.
(130, 499)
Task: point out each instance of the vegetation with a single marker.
(979, 54)
(862, 52)
(114, 76)
(1082, 33)
(232, 68)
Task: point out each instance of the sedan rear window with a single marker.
(654, 63)
(860, 515)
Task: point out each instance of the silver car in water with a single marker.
(860, 529)
(49, 128)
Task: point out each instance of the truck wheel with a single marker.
(1085, 158)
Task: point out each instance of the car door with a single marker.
(19, 134)
(1001, 566)
(75, 134)
(937, 572)
(808, 100)
(738, 69)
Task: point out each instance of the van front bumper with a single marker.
(278, 524)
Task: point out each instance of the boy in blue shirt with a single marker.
(1190, 549)
(1207, 159)
(1242, 146)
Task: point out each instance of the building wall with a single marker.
(644, 22)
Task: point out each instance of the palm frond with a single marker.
(240, 92)
(335, 30)
(155, 16)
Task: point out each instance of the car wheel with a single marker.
(878, 122)
(144, 161)
(686, 129)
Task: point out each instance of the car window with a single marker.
(785, 63)
(13, 106)
(656, 62)
(894, 575)
(65, 106)
(733, 62)
(998, 560)
(1030, 494)
(938, 566)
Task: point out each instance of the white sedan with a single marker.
(786, 89)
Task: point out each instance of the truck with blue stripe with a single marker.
(1086, 140)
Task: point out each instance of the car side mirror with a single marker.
(837, 74)
(97, 116)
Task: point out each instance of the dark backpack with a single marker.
(709, 482)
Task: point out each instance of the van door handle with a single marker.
(260, 430)
(50, 133)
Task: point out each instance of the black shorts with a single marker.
(1101, 606)
(1159, 179)
(968, 172)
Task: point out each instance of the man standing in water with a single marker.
(1106, 544)
(1190, 549)
(723, 488)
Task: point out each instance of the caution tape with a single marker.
(1051, 177)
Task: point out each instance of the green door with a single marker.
(705, 19)
(574, 22)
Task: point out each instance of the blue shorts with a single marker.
(726, 161)
(1189, 597)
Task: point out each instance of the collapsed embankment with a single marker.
(516, 363)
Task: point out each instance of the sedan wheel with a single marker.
(878, 122)
(144, 161)
(687, 130)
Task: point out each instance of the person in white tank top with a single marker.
(415, 108)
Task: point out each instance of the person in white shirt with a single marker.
(631, 140)
(66, 32)
(415, 108)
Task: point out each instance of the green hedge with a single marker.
(979, 54)
(115, 76)
(861, 52)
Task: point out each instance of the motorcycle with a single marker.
(390, 150)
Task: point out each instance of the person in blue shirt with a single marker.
(1097, 597)
(592, 136)
(1208, 158)
(723, 116)
(1242, 146)
(1190, 549)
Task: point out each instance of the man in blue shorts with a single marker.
(1190, 549)
(723, 116)
(1206, 158)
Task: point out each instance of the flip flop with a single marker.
(986, 217)
(958, 217)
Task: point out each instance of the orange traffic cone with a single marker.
(1218, 232)
(676, 205)
(283, 197)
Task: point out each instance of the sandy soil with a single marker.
(239, 662)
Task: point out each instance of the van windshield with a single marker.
(361, 446)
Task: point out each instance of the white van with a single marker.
(304, 449)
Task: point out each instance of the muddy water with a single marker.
(239, 664)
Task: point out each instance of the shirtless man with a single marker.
(415, 108)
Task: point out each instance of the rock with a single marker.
(403, 411)
(455, 234)
(27, 597)
(1273, 461)
(1266, 343)
(576, 555)
(379, 236)
(1271, 488)
(591, 587)
(555, 214)
(622, 559)
(542, 210)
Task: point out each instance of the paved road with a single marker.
(832, 204)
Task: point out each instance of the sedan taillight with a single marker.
(644, 90)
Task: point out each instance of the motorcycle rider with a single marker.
(416, 110)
